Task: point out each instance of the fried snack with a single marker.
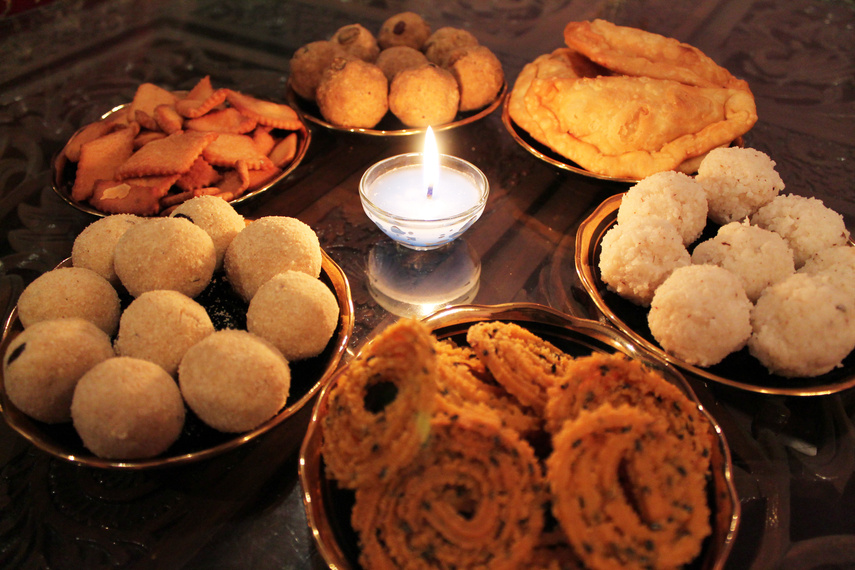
(228, 120)
(148, 97)
(464, 382)
(308, 64)
(427, 95)
(616, 125)
(444, 41)
(614, 379)
(625, 492)
(630, 51)
(139, 196)
(522, 362)
(353, 93)
(101, 158)
(395, 59)
(479, 75)
(229, 148)
(267, 113)
(173, 155)
(404, 29)
(194, 108)
(380, 407)
(358, 42)
(471, 499)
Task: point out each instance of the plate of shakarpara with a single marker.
(514, 436)
(620, 103)
(164, 147)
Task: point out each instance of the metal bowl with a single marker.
(198, 441)
(328, 507)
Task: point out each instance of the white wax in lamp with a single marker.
(426, 192)
(423, 200)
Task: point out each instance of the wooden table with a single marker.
(65, 63)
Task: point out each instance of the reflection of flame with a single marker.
(410, 283)
(430, 162)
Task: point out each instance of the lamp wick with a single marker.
(430, 191)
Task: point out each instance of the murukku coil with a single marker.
(616, 379)
(624, 491)
(525, 364)
(464, 381)
(472, 499)
(379, 410)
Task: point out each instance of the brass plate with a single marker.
(328, 507)
(197, 440)
(63, 171)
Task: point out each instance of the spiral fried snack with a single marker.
(464, 381)
(473, 499)
(625, 492)
(615, 379)
(522, 362)
(379, 410)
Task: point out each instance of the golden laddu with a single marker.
(622, 102)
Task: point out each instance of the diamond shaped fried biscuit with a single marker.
(228, 148)
(140, 196)
(283, 153)
(267, 113)
(168, 119)
(174, 154)
(193, 108)
(148, 96)
(100, 158)
(201, 174)
(228, 120)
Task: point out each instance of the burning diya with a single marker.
(424, 200)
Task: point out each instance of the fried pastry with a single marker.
(630, 51)
(625, 103)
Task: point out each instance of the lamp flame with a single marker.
(430, 162)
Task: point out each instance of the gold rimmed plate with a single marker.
(390, 126)
(328, 507)
(63, 172)
(738, 370)
(198, 441)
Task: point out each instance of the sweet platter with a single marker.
(738, 370)
(328, 506)
(198, 441)
(390, 126)
(63, 171)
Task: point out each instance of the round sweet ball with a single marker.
(308, 64)
(423, 96)
(737, 182)
(159, 326)
(297, 313)
(165, 253)
(393, 60)
(808, 225)
(94, 247)
(234, 381)
(756, 256)
(43, 364)
(479, 75)
(404, 29)
(268, 246)
(68, 292)
(445, 40)
(357, 41)
(217, 217)
(836, 265)
(803, 327)
(353, 93)
(700, 314)
(637, 256)
(671, 195)
(127, 408)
